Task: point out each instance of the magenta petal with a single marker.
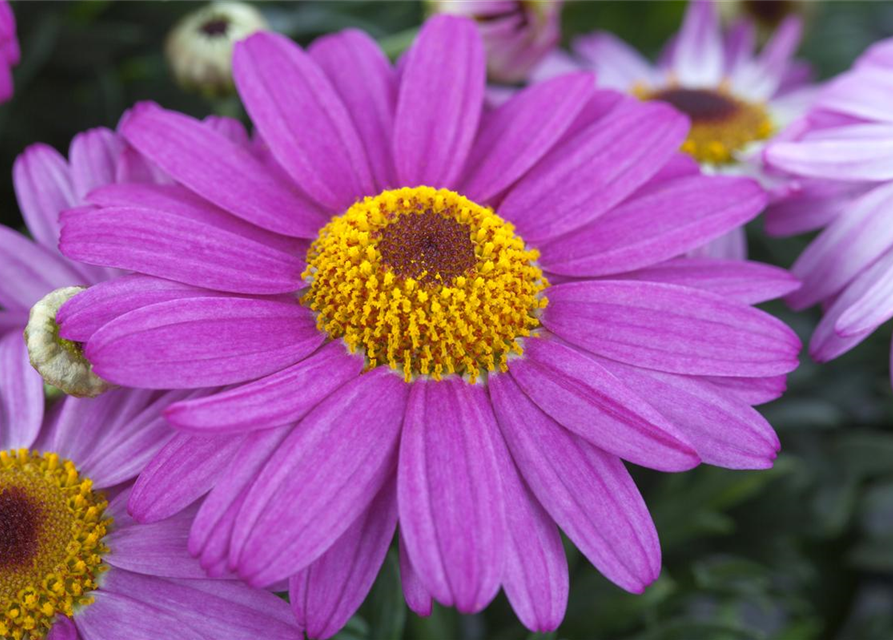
(738, 280)
(63, 629)
(439, 103)
(281, 398)
(724, 431)
(302, 119)
(535, 575)
(520, 132)
(588, 492)
(21, 395)
(328, 592)
(177, 248)
(29, 271)
(156, 549)
(669, 219)
(366, 83)
(752, 391)
(197, 609)
(697, 56)
(181, 473)
(212, 528)
(320, 479)
(417, 597)
(221, 171)
(587, 175)
(871, 310)
(85, 313)
(845, 248)
(671, 328)
(178, 200)
(43, 188)
(451, 499)
(94, 158)
(202, 342)
(581, 395)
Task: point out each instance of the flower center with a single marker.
(426, 281)
(215, 27)
(721, 124)
(51, 530)
(769, 13)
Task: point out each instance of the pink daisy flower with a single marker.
(485, 296)
(74, 565)
(9, 49)
(842, 155)
(737, 99)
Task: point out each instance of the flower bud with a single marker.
(517, 35)
(199, 49)
(61, 362)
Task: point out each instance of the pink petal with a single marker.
(451, 499)
(671, 328)
(669, 219)
(332, 465)
(202, 342)
(302, 119)
(270, 401)
(44, 189)
(698, 58)
(177, 248)
(515, 136)
(418, 599)
(591, 173)
(439, 102)
(181, 473)
(21, 395)
(366, 83)
(588, 492)
(737, 280)
(582, 396)
(94, 159)
(328, 592)
(220, 170)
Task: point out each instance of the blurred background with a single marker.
(801, 552)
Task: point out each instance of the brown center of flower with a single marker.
(701, 105)
(215, 27)
(429, 247)
(769, 12)
(20, 518)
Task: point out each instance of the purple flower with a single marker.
(9, 49)
(74, 564)
(508, 347)
(735, 98)
(517, 35)
(842, 155)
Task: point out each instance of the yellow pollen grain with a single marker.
(465, 324)
(68, 549)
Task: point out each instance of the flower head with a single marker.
(199, 49)
(840, 156)
(736, 99)
(424, 313)
(517, 35)
(73, 561)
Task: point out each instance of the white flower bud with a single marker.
(199, 49)
(61, 362)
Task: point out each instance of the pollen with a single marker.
(52, 525)
(427, 282)
(721, 123)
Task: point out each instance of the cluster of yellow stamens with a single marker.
(426, 281)
(721, 123)
(51, 529)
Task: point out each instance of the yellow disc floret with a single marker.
(721, 123)
(51, 528)
(425, 281)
